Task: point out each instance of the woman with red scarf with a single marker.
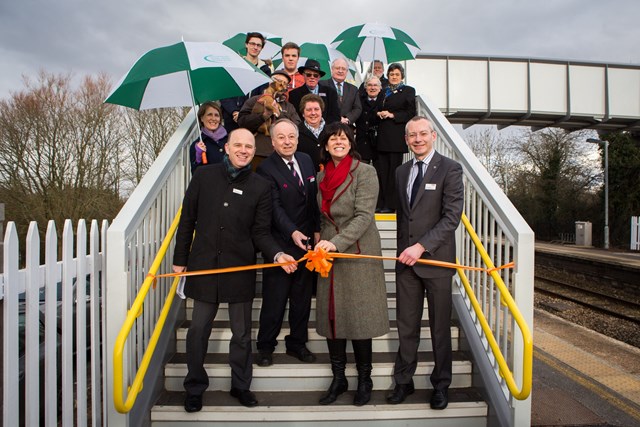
(352, 301)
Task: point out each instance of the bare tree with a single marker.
(496, 154)
(66, 154)
(555, 184)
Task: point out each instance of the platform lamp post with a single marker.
(606, 188)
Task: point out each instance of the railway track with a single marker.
(612, 304)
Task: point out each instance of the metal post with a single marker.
(606, 194)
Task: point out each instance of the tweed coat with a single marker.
(232, 221)
(434, 216)
(359, 290)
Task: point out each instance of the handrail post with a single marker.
(116, 302)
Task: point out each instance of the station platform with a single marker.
(581, 377)
(611, 256)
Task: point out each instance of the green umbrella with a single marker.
(185, 74)
(367, 42)
(322, 53)
(272, 45)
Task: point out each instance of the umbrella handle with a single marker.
(204, 158)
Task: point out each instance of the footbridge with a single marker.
(144, 325)
(507, 91)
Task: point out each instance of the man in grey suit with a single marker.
(348, 99)
(431, 194)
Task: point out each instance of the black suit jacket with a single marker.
(294, 207)
(402, 104)
(328, 94)
(434, 216)
(232, 221)
(350, 106)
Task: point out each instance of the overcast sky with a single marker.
(90, 36)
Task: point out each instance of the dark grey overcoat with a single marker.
(358, 285)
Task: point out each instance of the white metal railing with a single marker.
(635, 233)
(54, 310)
(133, 239)
(506, 237)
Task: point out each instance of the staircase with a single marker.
(288, 391)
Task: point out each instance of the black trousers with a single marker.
(277, 288)
(386, 165)
(410, 291)
(197, 381)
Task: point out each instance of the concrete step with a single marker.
(285, 408)
(223, 312)
(288, 373)
(221, 334)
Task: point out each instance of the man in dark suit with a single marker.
(431, 194)
(229, 208)
(295, 227)
(348, 99)
(312, 74)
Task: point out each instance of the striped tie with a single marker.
(295, 175)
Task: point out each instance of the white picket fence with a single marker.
(52, 326)
(635, 233)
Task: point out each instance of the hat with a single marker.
(282, 73)
(312, 65)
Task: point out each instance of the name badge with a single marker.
(237, 191)
(429, 186)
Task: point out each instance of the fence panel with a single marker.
(52, 315)
(635, 233)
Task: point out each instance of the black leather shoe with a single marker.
(264, 359)
(245, 397)
(303, 354)
(400, 393)
(193, 403)
(439, 399)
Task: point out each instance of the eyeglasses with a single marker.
(312, 75)
(254, 44)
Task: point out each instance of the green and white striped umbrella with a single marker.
(271, 47)
(185, 74)
(367, 42)
(325, 55)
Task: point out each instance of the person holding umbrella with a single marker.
(209, 148)
(229, 208)
(398, 107)
(254, 43)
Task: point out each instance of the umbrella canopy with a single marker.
(367, 42)
(183, 74)
(272, 44)
(322, 53)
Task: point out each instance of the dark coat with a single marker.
(309, 144)
(367, 127)
(331, 113)
(215, 151)
(434, 216)
(349, 105)
(359, 289)
(294, 207)
(402, 104)
(230, 105)
(252, 121)
(232, 221)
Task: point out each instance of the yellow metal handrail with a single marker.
(134, 312)
(506, 298)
